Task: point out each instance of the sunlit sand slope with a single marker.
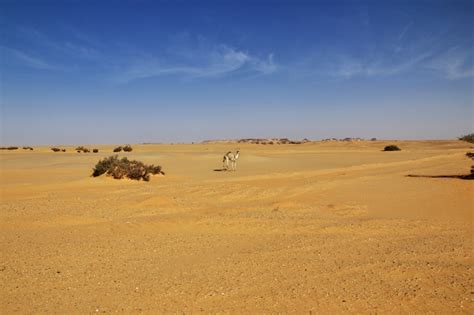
(317, 227)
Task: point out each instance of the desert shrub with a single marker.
(468, 138)
(127, 148)
(118, 149)
(55, 149)
(12, 148)
(95, 150)
(104, 165)
(392, 148)
(120, 168)
(152, 169)
(28, 148)
(82, 149)
(373, 139)
(471, 156)
(63, 150)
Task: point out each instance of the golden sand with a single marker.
(318, 227)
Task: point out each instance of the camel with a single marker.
(230, 161)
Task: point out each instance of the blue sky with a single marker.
(149, 71)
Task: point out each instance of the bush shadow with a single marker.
(465, 177)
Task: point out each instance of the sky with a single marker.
(87, 72)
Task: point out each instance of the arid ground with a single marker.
(313, 228)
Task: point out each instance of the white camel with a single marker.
(230, 161)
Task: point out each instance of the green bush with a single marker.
(468, 138)
(118, 149)
(127, 148)
(392, 148)
(120, 168)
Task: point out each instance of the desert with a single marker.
(315, 227)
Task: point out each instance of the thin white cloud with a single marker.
(349, 67)
(405, 30)
(26, 59)
(77, 49)
(220, 61)
(265, 66)
(454, 64)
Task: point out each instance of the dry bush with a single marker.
(56, 149)
(120, 168)
(118, 149)
(468, 138)
(392, 148)
(95, 150)
(127, 148)
(82, 149)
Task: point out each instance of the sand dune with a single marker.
(320, 227)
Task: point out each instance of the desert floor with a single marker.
(312, 228)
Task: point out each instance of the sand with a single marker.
(314, 228)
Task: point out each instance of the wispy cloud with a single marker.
(220, 61)
(405, 30)
(26, 59)
(80, 48)
(456, 63)
(348, 67)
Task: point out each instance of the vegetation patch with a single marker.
(8, 148)
(118, 149)
(56, 149)
(95, 150)
(28, 148)
(469, 138)
(127, 148)
(471, 156)
(125, 168)
(82, 149)
(392, 148)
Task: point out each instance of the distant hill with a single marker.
(269, 141)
